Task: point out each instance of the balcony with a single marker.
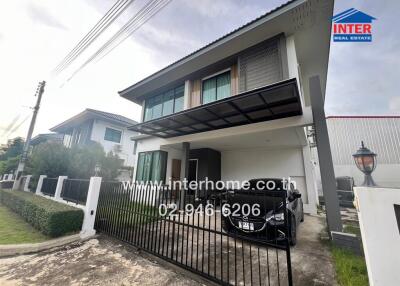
(278, 100)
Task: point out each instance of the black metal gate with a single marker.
(200, 233)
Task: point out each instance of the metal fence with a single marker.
(6, 184)
(75, 190)
(201, 235)
(49, 186)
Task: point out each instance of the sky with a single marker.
(35, 35)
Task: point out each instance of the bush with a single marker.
(51, 218)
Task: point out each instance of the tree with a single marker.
(10, 165)
(10, 154)
(13, 148)
(49, 159)
(53, 160)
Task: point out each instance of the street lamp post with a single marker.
(365, 161)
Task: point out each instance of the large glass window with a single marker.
(217, 87)
(164, 104)
(151, 166)
(112, 135)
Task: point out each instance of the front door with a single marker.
(175, 175)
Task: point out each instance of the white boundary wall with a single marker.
(380, 233)
(89, 209)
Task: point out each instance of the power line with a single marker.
(103, 23)
(132, 29)
(94, 33)
(11, 125)
(18, 126)
(140, 18)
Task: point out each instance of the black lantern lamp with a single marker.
(97, 169)
(365, 161)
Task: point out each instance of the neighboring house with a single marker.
(46, 138)
(237, 108)
(108, 129)
(381, 134)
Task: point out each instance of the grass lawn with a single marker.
(354, 229)
(351, 269)
(15, 230)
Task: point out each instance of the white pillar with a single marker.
(28, 179)
(57, 194)
(91, 207)
(186, 95)
(39, 185)
(310, 179)
(16, 184)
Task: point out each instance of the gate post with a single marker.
(91, 208)
(28, 179)
(60, 182)
(39, 185)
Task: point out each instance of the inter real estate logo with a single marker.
(352, 26)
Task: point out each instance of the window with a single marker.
(164, 104)
(77, 136)
(217, 87)
(152, 166)
(112, 135)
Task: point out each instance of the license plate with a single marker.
(246, 225)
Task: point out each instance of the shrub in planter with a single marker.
(51, 218)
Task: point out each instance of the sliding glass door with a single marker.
(152, 166)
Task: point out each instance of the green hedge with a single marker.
(51, 218)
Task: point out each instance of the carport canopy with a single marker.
(279, 100)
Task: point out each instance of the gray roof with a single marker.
(42, 137)
(208, 45)
(113, 116)
(89, 113)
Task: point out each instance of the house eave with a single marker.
(267, 26)
(82, 117)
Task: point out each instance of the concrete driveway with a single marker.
(104, 261)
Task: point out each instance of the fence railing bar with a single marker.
(132, 215)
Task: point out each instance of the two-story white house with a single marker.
(108, 129)
(240, 107)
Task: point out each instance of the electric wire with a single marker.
(112, 14)
(140, 18)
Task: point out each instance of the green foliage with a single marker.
(14, 230)
(351, 269)
(13, 148)
(49, 159)
(51, 218)
(54, 160)
(9, 165)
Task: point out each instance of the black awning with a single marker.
(270, 102)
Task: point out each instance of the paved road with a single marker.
(104, 261)
(96, 262)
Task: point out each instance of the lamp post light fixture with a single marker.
(97, 169)
(365, 161)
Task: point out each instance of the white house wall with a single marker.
(385, 175)
(263, 163)
(127, 145)
(381, 135)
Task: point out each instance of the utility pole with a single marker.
(21, 165)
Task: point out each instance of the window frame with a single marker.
(146, 102)
(215, 75)
(163, 173)
(114, 129)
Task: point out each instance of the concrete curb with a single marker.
(18, 249)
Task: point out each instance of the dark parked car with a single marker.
(268, 223)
